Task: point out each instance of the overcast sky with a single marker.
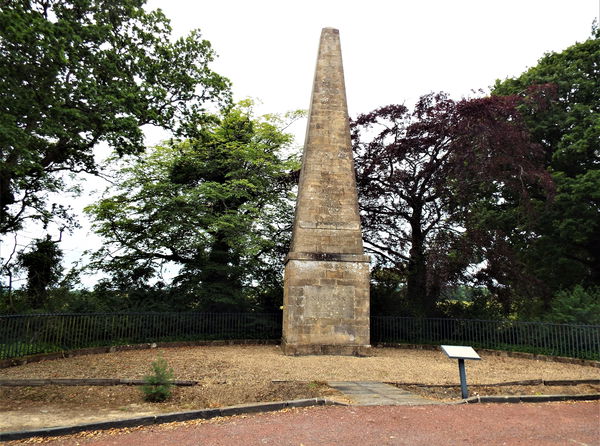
(394, 51)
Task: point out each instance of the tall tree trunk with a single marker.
(416, 281)
(221, 284)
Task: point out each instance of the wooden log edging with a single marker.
(529, 398)
(140, 382)
(527, 382)
(83, 382)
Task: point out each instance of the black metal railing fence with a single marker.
(578, 341)
(22, 335)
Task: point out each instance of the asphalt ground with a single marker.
(539, 424)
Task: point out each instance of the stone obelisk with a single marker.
(326, 290)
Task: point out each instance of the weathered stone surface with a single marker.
(326, 297)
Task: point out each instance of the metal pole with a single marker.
(463, 378)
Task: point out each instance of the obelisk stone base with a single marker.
(327, 305)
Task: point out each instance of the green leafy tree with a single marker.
(428, 178)
(215, 209)
(576, 306)
(76, 73)
(567, 249)
(43, 266)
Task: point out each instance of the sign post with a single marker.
(461, 353)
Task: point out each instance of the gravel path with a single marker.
(546, 424)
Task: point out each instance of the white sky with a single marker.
(394, 50)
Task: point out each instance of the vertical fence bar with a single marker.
(579, 344)
(66, 333)
(541, 335)
(50, 327)
(72, 332)
(77, 319)
(487, 331)
(558, 343)
(114, 326)
(568, 335)
(590, 340)
(567, 340)
(575, 340)
(85, 322)
(573, 337)
(78, 330)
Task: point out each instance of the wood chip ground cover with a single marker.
(231, 375)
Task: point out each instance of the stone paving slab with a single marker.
(369, 393)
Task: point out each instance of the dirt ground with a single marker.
(231, 375)
(24, 408)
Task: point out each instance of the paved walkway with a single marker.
(547, 424)
(369, 393)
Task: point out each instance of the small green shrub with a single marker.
(159, 383)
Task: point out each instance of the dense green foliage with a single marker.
(43, 265)
(213, 211)
(76, 73)
(576, 306)
(566, 251)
